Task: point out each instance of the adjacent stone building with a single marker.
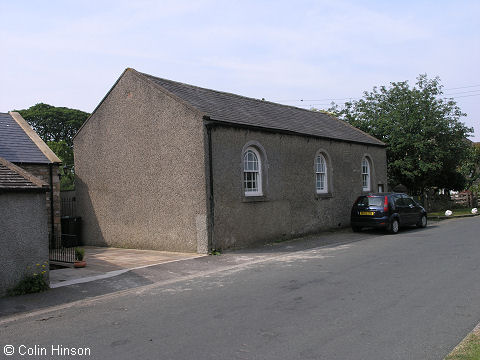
(20, 145)
(170, 166)
(23, 225)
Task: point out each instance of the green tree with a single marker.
(426, 141)
(54, 123)
(471, 169)
(65, 153)
(57, 127)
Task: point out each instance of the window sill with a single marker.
(254, 198)
(319, 196)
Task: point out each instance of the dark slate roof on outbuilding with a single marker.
(15, 145)
(240, 110)
(14, 178)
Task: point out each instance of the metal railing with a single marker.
(68, 207)
(62, 248)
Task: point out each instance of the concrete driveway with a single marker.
(104, 262)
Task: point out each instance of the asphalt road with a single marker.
(413, 295)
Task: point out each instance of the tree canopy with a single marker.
(54, 123)
(57, 127)
(426, 141)
(471, 169)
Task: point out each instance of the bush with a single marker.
(33, 282)
(79, 254)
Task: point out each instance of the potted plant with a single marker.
(79, 255)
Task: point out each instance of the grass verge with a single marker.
(468, 349)
(455, 212)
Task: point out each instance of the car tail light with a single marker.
(385, 204)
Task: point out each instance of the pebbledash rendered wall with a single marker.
(23, 236)
(290, 205)
(143, 177)
(140, 171)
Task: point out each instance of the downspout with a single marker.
(52, 214)
(210, 190)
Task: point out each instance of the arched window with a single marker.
(252, 172)
(321, 178)
(365, 175)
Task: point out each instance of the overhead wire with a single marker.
(356, 98)
(463, 87)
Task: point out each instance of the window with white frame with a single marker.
(252, 172)
(321, 179)
(365, 175)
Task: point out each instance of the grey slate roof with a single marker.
(13, 178)
(240, 110)
(15, 145)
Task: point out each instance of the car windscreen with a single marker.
(365, 201)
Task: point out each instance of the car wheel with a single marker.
(394, 226)
(356, 228)
(422, 222)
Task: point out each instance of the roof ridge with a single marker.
(318, 113)
(146, 77)
(232, 94)
(39, 143)
(235, 109)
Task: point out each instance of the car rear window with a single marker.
(370, 201)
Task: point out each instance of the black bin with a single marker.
(71, 231)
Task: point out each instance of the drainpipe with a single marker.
(52, 214)
(212, 202)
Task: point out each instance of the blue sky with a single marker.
(69, 53)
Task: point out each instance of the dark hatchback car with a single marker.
(388, 211)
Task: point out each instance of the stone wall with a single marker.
(42, 171)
